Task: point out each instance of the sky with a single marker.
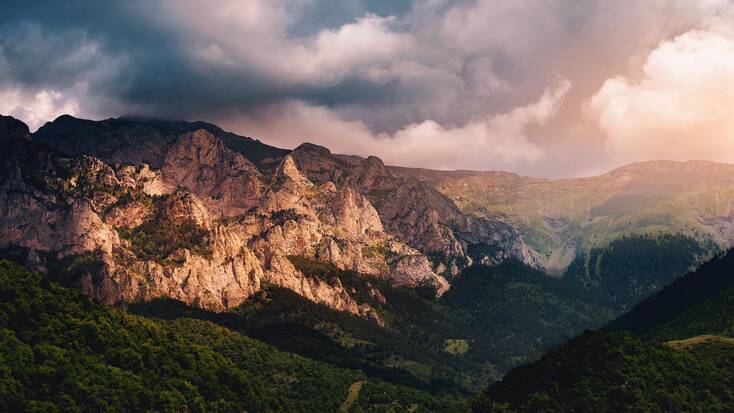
(548, 88)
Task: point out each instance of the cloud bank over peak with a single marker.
(36, 109)
(501, 137)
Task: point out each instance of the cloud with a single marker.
(495, 141)
(360, 74)
(681, 108)
(254, 33)
(36, 108)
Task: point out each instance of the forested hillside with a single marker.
(709, 282)
(631, 268)
(682, 360)
(61, 352)
(493, 318)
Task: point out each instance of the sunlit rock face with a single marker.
(226, 181)
(414, 211)
(201, 224)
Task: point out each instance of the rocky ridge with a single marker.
(410, 210)
(201, 224)
(415, 212)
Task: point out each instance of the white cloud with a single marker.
(36, 108)
(494, 141)
(681, 108)
(254, 33)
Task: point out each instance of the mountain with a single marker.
(411, 211)
(157, 233)
(680, 357)
(402, 274)
(562, 220)
(547, 223)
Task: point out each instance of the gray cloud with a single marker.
(355, 74)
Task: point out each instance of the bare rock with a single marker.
(224, 180)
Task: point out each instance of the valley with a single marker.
(679, 357)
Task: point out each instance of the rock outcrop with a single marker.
(415, 212)
(226, 181)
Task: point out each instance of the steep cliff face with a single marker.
(415, 212)
(206, 227)
(411, 210)
(226, 181)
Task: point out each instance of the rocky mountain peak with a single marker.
(11, 128)
(287, 170)
(313, 149)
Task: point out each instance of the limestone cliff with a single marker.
(414, 212)
(203, 226)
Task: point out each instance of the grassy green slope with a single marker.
(61, 352)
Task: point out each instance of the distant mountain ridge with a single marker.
(560, 220)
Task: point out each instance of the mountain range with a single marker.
(426, 284)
